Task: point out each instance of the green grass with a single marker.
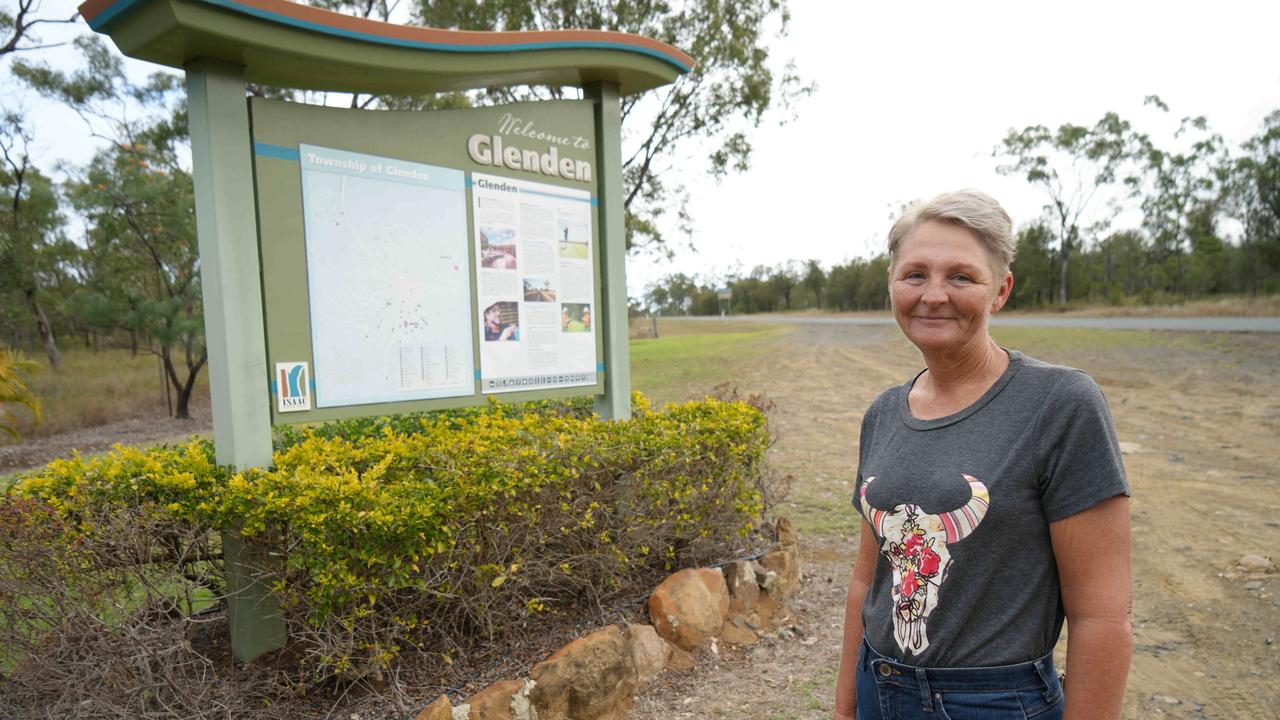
(672, 367)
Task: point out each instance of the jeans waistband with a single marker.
(1037, 673)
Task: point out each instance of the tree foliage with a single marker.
(711, 111)
(30, 231)
(1072, 165)
(139, 267)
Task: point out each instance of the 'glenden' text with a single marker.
(489, 150)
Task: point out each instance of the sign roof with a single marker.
(292, 45)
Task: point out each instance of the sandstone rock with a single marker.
(765, 578)
(768, 609)
(740, 579)
(439, 709)
(1254, 563)
(591, 678)
(785, 532)
(649, 653)
(735, 635)
(681, 659)
(785, 564)
(689, 607)
(494, 702)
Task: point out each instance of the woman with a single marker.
(994, 503)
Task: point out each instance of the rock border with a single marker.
(597, 676)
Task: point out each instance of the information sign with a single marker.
(535, 283)
(419, 261)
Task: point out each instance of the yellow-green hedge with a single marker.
(470, 525)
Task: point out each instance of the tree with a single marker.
(17, 29)
(141, 257)
(715, 105)
(674, 294)
(1071, 164)
(814, 280)
(30, 221)
(1255, 198)
(1181, 195)
(1032, 267)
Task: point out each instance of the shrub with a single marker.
(431, 531)
(14, 391)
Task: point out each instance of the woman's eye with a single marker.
(962, 278)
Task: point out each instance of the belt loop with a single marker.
(1045, 678)
(926, 697)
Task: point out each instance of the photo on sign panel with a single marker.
(538, 290)
(498, 247)
(574, 237)
(575, 317)
(502, 321)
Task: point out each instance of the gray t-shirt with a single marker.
(962, 504)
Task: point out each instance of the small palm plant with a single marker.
(14, 367)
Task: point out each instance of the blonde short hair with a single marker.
(971, 209)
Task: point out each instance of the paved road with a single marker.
(1186, 324)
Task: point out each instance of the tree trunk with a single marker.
(46, 332)
(181, 410)
(1062, 270)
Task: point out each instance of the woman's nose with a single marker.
(934, 293)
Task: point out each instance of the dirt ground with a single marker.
(1200, 419)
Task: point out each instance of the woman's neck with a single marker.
(955, 380)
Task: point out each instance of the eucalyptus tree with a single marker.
(1181, 194)
(1255, 198)
(30, 224)
(1074, 165)
(141, 261)
(18, 26)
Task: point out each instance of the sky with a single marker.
(911, 99)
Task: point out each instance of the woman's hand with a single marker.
(1092, 549)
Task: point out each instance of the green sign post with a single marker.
(367, 262)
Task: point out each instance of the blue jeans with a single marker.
(890, 690)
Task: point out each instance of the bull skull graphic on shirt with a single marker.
(916, 545)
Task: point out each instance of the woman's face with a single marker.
(942, 287)
(493, 315)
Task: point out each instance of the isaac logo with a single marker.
(293, 387)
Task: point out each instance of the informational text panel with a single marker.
(535, 285)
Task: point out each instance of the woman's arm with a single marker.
(1092, 552)
(863, 571)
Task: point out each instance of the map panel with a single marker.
(388, 278)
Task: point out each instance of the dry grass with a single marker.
(95, 389)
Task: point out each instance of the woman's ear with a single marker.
(1002, 293)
